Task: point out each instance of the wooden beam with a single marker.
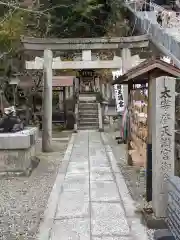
(38, 44)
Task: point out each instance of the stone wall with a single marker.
(173, 210)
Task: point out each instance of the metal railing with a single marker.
(163, 38)
(100, 117)
(76, 118)
(170, 19)
(76, 111)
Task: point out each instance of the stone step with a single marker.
(90, 98)
(89, 124)
(88, 115)
(87, 128)
(88, 111)
(87, 100)
(87, 103)
(87, 93)
(90, 120)
(90, 106)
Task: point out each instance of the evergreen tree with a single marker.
(80, 18)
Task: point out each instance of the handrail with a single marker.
(100, 117)
(76, 112)
(76, 118)
(169, 18)
(165, 39)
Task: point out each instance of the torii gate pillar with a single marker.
(47, 102)
(126, 65)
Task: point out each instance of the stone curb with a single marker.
(49, 214)
(138, 229)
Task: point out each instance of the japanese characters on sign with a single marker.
(165, 131)
(119, 93)
(120, 96)
(86, 73)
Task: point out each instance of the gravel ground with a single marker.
(133, 176)
(23, 199)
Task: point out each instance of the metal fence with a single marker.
(162, 37)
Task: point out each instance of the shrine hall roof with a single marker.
(151, 67)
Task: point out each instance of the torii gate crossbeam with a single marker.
(48, 63)
(112, 64)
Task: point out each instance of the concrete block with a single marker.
(17, 156)
(18, 140)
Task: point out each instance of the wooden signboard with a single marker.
(86, 73)
(138, 124)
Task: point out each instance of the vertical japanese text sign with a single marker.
(163, 140)
(119, 92)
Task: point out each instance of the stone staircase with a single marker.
(88, 112)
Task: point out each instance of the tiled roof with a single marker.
(141, 72)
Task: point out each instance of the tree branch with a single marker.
(43, 12)
(5, 53)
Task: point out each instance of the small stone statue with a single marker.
(159, 18)
(10, 122)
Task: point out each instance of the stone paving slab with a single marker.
(76, 167)
(109, 219)
(105, 191)
(71, 229)
(98, 162)
(100, 175)
(79, 207)
(79, 159)
(111, 238)
(100, 169)
(75, 182)
(91, 201)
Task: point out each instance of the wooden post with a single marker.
(149, 144)
(14, 94)
(64, 101)
(129, 158)
(67, 92)
(103, 90)
(108, 90)
(126, 65)
(47, 102)
(97, 84)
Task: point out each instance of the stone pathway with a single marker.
(90, 200)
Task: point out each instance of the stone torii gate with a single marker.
(47, 63)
